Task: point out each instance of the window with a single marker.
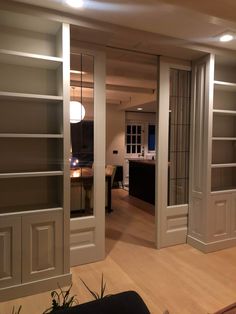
(151, 137)
(82, 135)
(133, 138)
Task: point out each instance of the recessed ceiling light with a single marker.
(75, 3)
(139, 109)
(77, 72)
(226, 37)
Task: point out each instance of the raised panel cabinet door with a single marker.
(233, 216)
(42, 245)
(10, 251)
(220, 207)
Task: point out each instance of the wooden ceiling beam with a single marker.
(114, 87)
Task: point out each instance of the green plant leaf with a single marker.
(102, 290)
(61, 299)
(18, 311)
(93, 293)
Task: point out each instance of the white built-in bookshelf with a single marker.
(33, 101)
(224, 129)
(212, 210)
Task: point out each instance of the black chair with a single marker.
(118, 179)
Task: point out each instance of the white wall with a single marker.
(115, 135)
(145, 118)
(141, 116)
(115, 132)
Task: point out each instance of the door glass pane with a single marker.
(179, 128)
(82, 135)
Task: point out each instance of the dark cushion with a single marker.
(128, 302)
(230, 309)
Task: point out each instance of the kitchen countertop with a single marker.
(144, 161)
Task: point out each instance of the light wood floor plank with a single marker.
(180, 279)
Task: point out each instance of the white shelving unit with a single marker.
(225, 86)
(29, 59)
(228, 165)
(224, 138)
(212, 212)
(29, 97)
(15, 135)
(223, 167)
(224, 129)
(34, 89)
(30, 174)
(224, 112)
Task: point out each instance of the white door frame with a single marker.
(163, 212)
(87, 234)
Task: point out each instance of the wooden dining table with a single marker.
(85, 176)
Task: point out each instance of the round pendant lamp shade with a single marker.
(77, 111)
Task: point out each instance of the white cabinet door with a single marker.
(10, 251)
(220, 207)
(233, 215)
(42, 245)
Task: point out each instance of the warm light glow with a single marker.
(76, 174)
(226, 37)
(77, 72)
(77, 111)
(74, 162)
(75, 3)
(139, 109)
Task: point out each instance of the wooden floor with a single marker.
(180, 279)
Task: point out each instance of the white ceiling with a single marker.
(130, 81)
(168, 27)
(197, 21)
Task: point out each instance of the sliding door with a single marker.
(173, 157)
(87, 224)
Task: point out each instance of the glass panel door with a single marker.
(82, 134)
(179, 131)
(88, 180)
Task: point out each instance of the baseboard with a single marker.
(31, 288)
(211, 246)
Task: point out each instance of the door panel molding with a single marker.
(10, 248)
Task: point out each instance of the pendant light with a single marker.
(77, 111)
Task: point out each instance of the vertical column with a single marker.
(66, 142)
